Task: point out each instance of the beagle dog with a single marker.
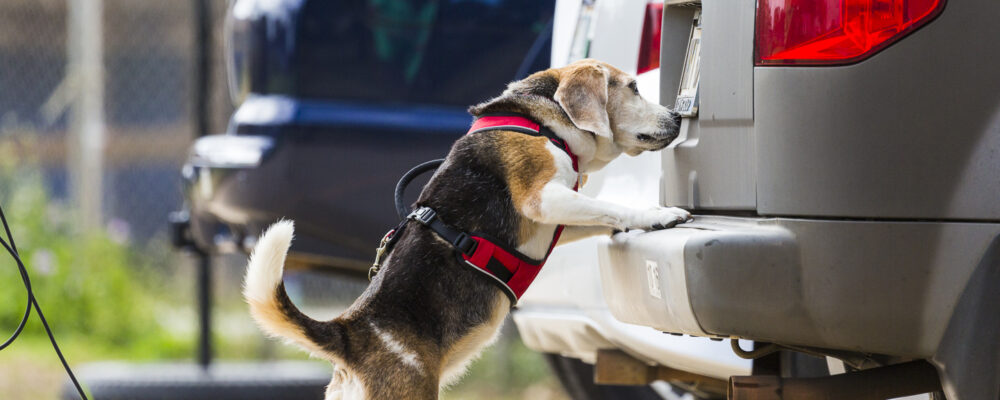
(426, 315)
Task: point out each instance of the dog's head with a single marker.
(605, 101)
(593, 97)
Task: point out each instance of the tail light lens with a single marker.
(649, 45)
(832, 32)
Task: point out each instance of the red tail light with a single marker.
(831, 32)
(649, 46)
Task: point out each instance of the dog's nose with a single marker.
(677, 119)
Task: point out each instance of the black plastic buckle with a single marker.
(465, 244)
(424, 215)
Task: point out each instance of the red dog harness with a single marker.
(511, 270)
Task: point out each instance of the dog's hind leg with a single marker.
(460, 354)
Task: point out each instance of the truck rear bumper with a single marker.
(867, 286)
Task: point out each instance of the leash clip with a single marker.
(379, 252)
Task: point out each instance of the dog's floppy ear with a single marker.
(583, 94)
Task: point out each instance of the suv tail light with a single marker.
(833, 32)
(649, 45)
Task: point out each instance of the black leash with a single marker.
(401, 209)
(32, 302)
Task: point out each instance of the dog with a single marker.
(425, 315)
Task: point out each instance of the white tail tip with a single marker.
(267, 262)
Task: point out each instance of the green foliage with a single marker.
(90, 287)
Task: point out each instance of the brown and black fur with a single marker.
(440, 310)
(423, 293)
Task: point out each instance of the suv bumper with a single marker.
(868, 286)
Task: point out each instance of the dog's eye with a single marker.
(634, 87)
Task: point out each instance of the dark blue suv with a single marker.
(337, 99)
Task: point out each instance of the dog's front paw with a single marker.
(660, 218)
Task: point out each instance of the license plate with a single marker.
(687, 95)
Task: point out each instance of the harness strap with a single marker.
(456, 238)
(519, 123)
(510, 270)
(467, 246)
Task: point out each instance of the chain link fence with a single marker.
(99, 96)
(97, 113)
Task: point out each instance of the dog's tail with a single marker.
(270, 305)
